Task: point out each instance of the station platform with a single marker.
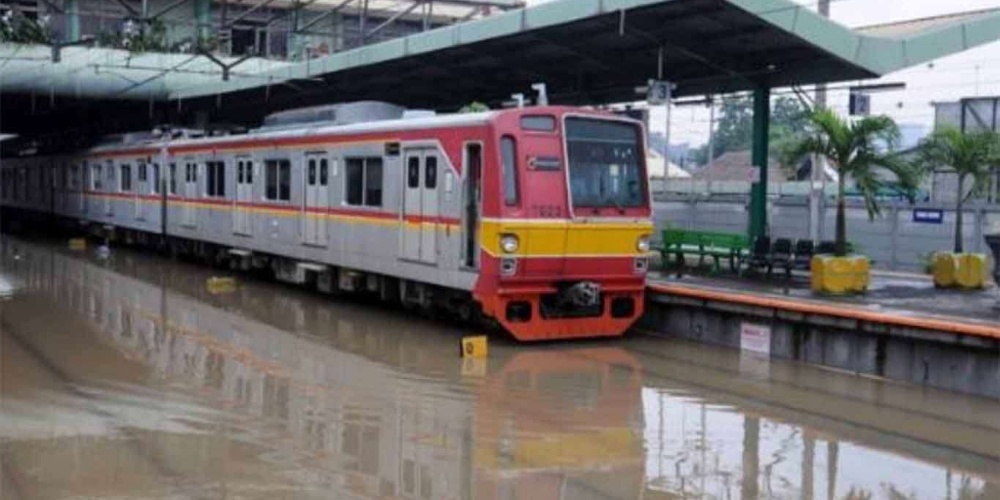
(906, 300)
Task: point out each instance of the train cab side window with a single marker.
(364, 181)
(125, 182)
(278, 180)
(508, 153)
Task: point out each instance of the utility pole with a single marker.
(711, 130)
(817, 187)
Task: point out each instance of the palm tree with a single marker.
(854, 149)
(969, 155)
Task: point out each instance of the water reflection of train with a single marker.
(382, 405)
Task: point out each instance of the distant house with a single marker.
(737, 166)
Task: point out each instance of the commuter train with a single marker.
(536, 217)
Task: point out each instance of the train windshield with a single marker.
(605, 163)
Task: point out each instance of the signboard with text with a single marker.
(928, 216)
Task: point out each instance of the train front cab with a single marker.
(566, 226)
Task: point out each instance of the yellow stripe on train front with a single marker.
(566, 238)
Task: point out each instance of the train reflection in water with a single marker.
(126, 377)
(263, 394)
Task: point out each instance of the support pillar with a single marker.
(761, 130)
(295, 44)
(203, 20)
(72, 17)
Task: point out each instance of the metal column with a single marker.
(72, 13)
(761, 130)
(203, 20)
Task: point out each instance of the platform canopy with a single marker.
(586, 51)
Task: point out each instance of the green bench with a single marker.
(676, 243)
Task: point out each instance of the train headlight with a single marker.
(642, 244)
(509, 243)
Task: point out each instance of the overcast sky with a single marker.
(975, 72)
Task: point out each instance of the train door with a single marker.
(317, 200)
(242, 223)
(141, 188)
(190, 192)
(420, 206)
(110, 187)
(472, 203)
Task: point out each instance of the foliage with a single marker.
(973, 156)
(474, 107)
(137, 36)
(735, 126)
(15, 27)
(856, 150)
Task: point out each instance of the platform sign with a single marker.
(755, 338)
(659, 92)
(928, 216)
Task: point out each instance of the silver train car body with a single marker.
(280, 195)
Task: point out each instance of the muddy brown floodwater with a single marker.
(126, 378)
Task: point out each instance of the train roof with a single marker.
(323, 121)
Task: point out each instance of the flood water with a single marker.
(126, 378)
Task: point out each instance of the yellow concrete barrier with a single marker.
(474, 347)
(840, 275)
(944, 268)
(77, 244)
(961, 270)
(217, 285)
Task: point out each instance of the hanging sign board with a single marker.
(659, 92)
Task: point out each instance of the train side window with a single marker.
(373, 182)
(173, 178)
(430, 174)
(125, 182)
(142, 172)
(95, 177)
(216, 180)
(278, 180)
(312, 172)
(364, 181)
(285, 181)
(508, 153)
(249, 171)
(324, 174)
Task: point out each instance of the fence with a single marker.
(896, 240)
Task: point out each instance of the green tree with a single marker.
(970, 156)
(735, 126)
(855, 149)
